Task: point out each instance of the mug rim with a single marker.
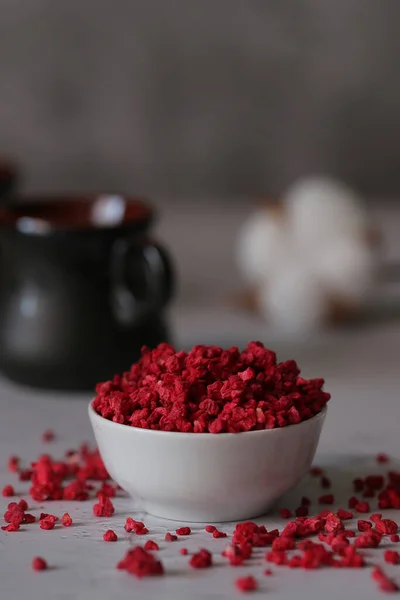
(72, 212)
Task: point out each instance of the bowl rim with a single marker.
(157, 432)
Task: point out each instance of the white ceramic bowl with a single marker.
(203, 477)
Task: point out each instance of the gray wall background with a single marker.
(196, 97)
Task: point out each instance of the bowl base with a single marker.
(182, 514)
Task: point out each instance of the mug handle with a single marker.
(159, 279)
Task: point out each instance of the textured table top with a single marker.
(361, 368)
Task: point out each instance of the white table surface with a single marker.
(361, 368)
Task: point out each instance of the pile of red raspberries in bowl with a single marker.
(210, 390)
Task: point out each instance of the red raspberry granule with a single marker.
(110, 536)
(219, 534)
(39, 564)
(267, 572)
(13, 464)
(237, 554)
(29, 518)
(362, 507)
(386, 527)
(210, 390)
(201, 560)
(301, 511)
(376, 482)
(391, 556)
(150, 545)
(325, 482)
(316, 471)
(246, 584)
(353, 501)
(7, 491)
(170, 537)
(184, 551)
(327, 499)
(385, 584)
(23, 504)
(47, 522)
(107, 490)
(136, 526)
(141, 563)
(369, 539)
(210, 528)
(394, 538)
(285, 513)
(104, 508)
(66, 520)
(25, 474)
(48, 436)
(11, 527)
(183, 531)
(252, 534)
(358, 484)
(344, 515)
(382, 458)
(14, 513)
(364, 525)
(45, 515)
(375, 517)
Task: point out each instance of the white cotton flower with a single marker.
(261, 239)
(293, 299)
(346, 269)
(320, 210)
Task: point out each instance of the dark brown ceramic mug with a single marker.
(82, 288)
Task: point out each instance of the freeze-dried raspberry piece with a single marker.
(391, 556)
(151, 545)
(375, 517)
(201, 559)
(362, 507)
(382, 458)
(285, 513)
(14, 513)
(104, 508)
(11, 527)
(110, 536)
(386, 527)
(219, 534)
(141, 563)
(23, 505)
(13, 464)
(184, 551)
(66, 520)
(326, 499)
(369, 539)
(136, 526)
(316, 471)
(48, 436)
(344, 514)
(170, 537)
(47, 522)
(29, 518)
(210, 528)
(246, 584)
(7, 491)
(183, 531)
(385, 584)
(39, 564)
(364, 525)
(107, 490)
